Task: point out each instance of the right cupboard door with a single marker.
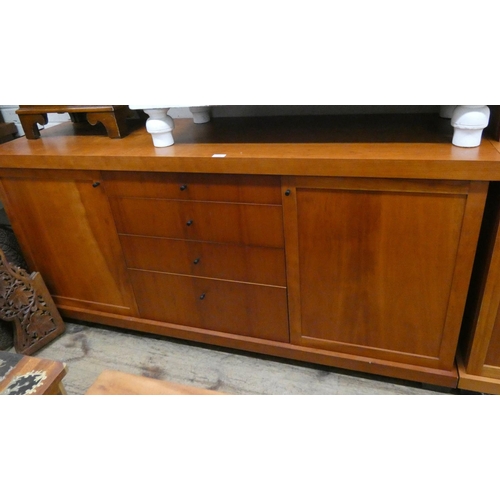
(380, 268)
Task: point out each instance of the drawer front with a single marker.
(223, 306)
(202, 187)
(210, 260)
(259, 225)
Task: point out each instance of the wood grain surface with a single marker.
(68, 234)
(405, 147)
(380, 219)
(51, 373)
(480, 340)
(239, 223)
(209, 260)
(218, 305)
(114, 383)
(381, 271)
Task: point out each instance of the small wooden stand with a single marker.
(112, 117)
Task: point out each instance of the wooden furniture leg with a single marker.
(115, 122)
(29, 124)
(25, 300)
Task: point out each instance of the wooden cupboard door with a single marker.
(66, 229)
(380, 268)
(221, 306)
(480, 339)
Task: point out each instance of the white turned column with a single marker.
(468, 123)
(201, 114)
(160, 126)
(446, 111)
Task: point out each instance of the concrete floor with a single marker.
(89, 349)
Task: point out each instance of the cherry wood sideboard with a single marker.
(248, 234)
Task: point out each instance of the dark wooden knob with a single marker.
(184, 187)
(96, 183)
(202, 296)
(288, 192)
(196, 261)
(189, 223)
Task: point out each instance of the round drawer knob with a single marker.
(196, 261)
(288, 192)
(96, 184)
(189, 223)
(184, 187)
(202, 296)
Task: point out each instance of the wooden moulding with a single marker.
(443, 378)
(112, 117)
(194, 150)
(476, 383)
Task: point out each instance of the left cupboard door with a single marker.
(64, 225)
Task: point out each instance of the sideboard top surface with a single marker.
(384, 146)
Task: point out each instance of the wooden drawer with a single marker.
(211, 260)
(206, 187)
(259, 225)
(222, 306)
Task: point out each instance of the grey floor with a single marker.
(89, 349)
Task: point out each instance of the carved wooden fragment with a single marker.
(25, 300)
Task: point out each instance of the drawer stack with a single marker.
(204, 251)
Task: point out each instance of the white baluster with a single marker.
(468, 123)
(160, 126)
(201, 114)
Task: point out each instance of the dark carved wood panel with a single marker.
(25, 300)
